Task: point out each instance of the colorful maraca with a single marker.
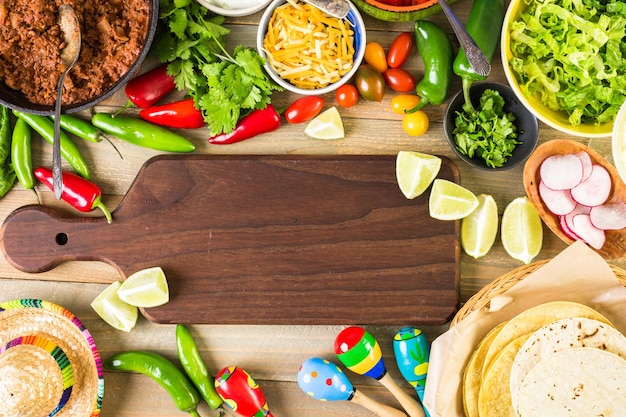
(412, 351)
(241, 392)
(325, 381)
(360, 352)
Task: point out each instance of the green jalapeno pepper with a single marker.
(142, 133)
(7, 173)
(69, 150)
(195, 367)
(161, 370)
(80, 128)
(484, 25)
(21, 156)
(437, 54)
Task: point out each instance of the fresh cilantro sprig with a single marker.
(225, 87)
(487, 132)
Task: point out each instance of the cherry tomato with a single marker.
(399, 80)
(400, 50)
(375, 56)
(370, 83)
(304, 109)
(347, 95)
(415, 124)
(403, 102)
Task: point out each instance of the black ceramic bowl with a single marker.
(526, 123)
(17, 101)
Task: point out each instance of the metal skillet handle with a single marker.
(475, 56)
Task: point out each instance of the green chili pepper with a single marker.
(195, 367)
(21, 155)
(484, 25)
(161, 370)
(437, 54)
(7, 174)
(142, 133)
(69, 150)
(84, 130)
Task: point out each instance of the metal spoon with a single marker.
(71, 30)
(335, 8)
(475, 56)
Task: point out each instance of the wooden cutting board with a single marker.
(265, 240)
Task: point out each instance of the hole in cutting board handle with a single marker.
(61, 239)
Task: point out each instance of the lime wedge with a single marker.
(327, 125)
(450, 201)
(415, 172)
(113, 310)
(522, 230)
(145, 288)
(480, 228)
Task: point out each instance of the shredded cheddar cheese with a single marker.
(308, 48)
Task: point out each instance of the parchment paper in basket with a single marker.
(577, 274)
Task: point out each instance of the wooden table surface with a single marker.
(272, 354)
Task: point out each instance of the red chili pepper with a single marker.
(304, 109)
(82, 194)
(148, 88)
(259, 121)
(179, 114)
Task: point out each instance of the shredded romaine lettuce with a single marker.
(571, 54)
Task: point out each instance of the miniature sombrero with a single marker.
(49, 363)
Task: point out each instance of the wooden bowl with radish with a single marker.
(579, 195)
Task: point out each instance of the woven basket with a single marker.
(499, 285)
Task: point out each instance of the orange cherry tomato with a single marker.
(375, 56)
(403, 102)
(415, 124)
(347, 95)
(400, 50)
(399, 80)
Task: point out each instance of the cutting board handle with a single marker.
(58, 238)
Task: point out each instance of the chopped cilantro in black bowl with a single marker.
(498, 134)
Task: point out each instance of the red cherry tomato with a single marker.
(403, 102)
(304, 109)
(370, 83)
(347, 95)
(375, 56)
(399, 80)
(415, 124)
(400, 50)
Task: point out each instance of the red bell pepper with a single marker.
(82, 194)
(179, 114)
(258, 122)
(148, 88)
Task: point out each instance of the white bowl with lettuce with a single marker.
(566, 67)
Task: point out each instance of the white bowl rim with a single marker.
(618, 142)
(234, 12)
(358, 56)
(513, 84)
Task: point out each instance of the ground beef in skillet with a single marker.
(113, 33)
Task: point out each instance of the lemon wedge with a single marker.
(145, 288)
(119, 314)
(327, 125)
(415, 172)
(480, 229)
(522, 230)
(450, 201)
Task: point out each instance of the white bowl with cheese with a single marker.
(234, 7)
(315, 56)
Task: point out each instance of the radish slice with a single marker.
(609, 216)
(583, 227)
(559, 202)
(569, 218)
(561, 172)
(567, 229)
(595, 190)
(585, 159)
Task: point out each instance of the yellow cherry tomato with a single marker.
(403, 102)
(415, 124)
(375, 56)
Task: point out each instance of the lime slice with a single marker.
(145, 288)
(522, 231)
(480, 228)
(450, 201)
(415, 172)
(113, 310)
(327, 125)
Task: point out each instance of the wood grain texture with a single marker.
(265, 240)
